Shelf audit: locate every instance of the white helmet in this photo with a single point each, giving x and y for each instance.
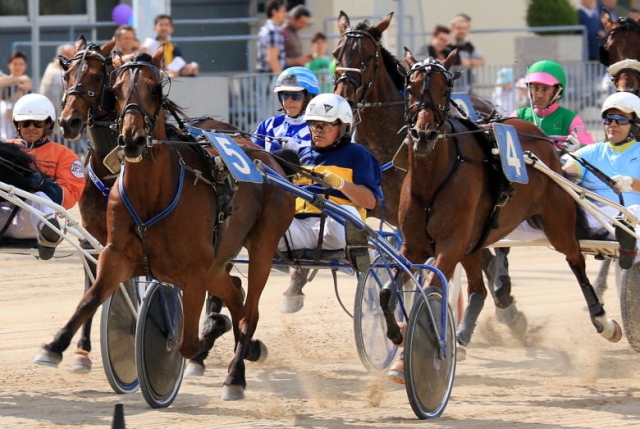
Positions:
(36, 107)
(329, 108)
(624, 101)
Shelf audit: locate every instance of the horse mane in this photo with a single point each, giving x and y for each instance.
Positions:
(391, 63)
(15, 165)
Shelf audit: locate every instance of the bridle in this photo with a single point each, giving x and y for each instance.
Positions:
(441, 111)
(94, 101)
(346, 74)
(133, 67)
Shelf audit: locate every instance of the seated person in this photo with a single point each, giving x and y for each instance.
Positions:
(58, 175)
(294, 87)
(351, 170)
(617, 159)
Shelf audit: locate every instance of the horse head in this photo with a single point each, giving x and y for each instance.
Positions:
(137, 85)
(87, 96)
(428, 84)
(620, 52)
(359, 57)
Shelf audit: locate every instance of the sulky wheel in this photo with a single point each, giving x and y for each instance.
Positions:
(630, 305)
(160, 365)
(429, 373)
(375, 350)
(117, 338)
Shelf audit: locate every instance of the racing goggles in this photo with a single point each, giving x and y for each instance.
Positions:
(296, 96)
(620, 119)
(29, 122)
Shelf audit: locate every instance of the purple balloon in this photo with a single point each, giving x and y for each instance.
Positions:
(121, 14)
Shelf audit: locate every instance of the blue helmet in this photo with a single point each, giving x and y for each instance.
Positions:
(297, 79)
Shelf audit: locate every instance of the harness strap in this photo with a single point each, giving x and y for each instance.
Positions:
(96, 181)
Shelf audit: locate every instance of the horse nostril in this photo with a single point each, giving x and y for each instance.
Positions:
(432, 136)
(415, 134)
(121, 140)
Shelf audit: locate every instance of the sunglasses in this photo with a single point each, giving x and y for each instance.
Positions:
(620, 119)
(320, 126)
(296, 96)
(37, 124)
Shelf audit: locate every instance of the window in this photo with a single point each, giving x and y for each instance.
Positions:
(47, 8)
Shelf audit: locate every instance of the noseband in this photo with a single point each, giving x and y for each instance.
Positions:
(134, 67)
(441, 111)
(99, 102)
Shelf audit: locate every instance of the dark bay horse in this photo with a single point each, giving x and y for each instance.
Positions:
(370, 78)
(85, 105)
(450, 193)
(15, 167)
(184, 242)
(620, 52)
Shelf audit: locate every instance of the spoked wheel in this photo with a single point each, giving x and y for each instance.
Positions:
(160, 365)
(429, 371)
(117, 338)
(375, 350)
(630, 305)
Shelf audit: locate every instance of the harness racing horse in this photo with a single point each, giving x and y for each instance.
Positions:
(448, 201)
(369, 77)
(15, 167)
(87, 104)
(184, 238)
(620, 52)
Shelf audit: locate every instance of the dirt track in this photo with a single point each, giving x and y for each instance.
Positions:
(565, 376)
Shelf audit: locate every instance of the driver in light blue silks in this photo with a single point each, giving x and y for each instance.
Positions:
(294, 87)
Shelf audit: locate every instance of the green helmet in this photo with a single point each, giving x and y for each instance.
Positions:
(547, 73)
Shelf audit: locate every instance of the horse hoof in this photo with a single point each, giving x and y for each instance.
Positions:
(80, 362)
(610, 329)
(264, 352)
(461, 352)
(232, 393)
(194, 369)
(48, 358)
(257, 351)
(291, 303)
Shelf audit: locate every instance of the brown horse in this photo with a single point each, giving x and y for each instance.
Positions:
(369, 77)
(183, 241)
(620, 52)
(449, 195)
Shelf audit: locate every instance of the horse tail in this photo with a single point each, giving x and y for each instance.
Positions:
(288, 160)
(15, 165)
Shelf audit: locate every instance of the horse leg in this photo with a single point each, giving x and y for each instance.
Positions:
(600, 284)
(80, 362)
(472, 265)
(112, 271)
(246, 347)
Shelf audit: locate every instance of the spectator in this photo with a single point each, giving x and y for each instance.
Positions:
(322, 65)
(52, 84)
(610, 6)
(616, 158)
(298, 20)
(468, 55)
(353, 174)
(126, 40)
(12, 87)
(58, 175)
(174, 63)
(440, 46)
(271, 52)
(504, 94)
(589, 16)
(522, 99)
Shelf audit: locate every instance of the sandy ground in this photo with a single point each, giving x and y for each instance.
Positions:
(564, 376)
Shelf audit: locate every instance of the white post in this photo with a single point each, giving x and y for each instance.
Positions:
(143, 13)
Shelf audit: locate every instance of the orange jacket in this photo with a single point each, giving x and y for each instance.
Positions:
(63, 166)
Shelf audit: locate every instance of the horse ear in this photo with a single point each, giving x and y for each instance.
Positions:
(158, 56)
(108, 47)
(409, 58)
(384, 24)
(451, 59)
(605, 19)
(80, 43)
(343, 22)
